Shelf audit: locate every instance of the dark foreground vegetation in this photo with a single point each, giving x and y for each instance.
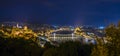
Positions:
(28, 47)
(21, 47)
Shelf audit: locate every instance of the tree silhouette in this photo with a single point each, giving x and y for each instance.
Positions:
(113, 36)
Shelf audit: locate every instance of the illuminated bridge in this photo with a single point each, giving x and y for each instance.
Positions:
(64, 37)
(70, 37)
(66, 34)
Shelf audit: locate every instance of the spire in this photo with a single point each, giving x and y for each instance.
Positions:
(17, 25)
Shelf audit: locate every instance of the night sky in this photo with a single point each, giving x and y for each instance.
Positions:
(64, 12)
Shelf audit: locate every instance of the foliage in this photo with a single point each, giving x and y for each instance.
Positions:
(69, 49)
(113, 36)
(18, 47)
(99, 49)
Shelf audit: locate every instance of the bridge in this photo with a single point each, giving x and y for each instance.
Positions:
(63, 38)
(68, 37)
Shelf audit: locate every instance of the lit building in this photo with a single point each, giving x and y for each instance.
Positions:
(25, 27)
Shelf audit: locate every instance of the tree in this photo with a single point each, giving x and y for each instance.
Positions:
(19, 47)
(118, 25)
(99, 49)
(51, 52)
(113, 36)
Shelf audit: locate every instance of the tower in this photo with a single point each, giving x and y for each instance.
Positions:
(17, 25)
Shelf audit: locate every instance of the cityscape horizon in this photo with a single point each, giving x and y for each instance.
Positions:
(60, 27)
